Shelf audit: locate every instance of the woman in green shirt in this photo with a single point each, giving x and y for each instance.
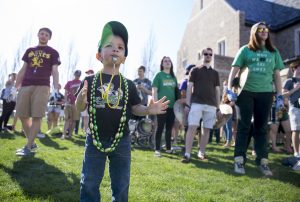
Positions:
(165, 84)
(264, 63)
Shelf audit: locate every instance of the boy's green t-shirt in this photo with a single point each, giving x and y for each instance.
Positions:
(262, 65)
(165, 85)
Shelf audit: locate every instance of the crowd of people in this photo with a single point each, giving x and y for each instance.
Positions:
(107, 100)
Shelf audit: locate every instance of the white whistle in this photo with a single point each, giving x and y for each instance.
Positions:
(114, 59)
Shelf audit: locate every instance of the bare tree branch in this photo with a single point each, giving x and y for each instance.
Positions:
(148, 57)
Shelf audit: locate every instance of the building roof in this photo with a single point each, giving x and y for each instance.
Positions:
(278, 14)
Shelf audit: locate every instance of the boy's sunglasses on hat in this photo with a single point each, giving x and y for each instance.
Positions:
(260, 30)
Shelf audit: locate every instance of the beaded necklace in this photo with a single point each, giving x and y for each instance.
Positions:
(93, 121)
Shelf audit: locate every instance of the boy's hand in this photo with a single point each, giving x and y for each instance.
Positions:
(83, 91)
(158, 107)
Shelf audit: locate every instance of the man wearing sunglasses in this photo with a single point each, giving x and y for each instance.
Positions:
(203, 100)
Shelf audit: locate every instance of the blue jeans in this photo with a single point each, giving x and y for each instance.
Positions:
(228, 129)
(94, 166)
(257, 105)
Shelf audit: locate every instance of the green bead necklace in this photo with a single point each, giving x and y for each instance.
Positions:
(93, 120)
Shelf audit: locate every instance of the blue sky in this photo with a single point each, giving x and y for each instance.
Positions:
(80, 23)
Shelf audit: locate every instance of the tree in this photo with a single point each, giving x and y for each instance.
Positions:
(25, 43)
(148, 57)
(12, 63)
(72, 60)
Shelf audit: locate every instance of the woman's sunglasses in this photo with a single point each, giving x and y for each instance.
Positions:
(260, 30)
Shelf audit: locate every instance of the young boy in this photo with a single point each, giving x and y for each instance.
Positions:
(291, 89)
(110, 99)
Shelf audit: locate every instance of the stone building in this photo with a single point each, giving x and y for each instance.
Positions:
(224, 25)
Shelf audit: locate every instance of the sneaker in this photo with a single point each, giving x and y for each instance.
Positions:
(33, 147)
(296, 154)
(297, 166)
(24, 152)
(185, 159)
(63, 137)
(169, 151)
(264, 168)
(239, 165)
(226, 145)
(201, 156)
(40, 135)
(157, 153)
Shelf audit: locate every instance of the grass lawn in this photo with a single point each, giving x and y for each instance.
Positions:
(53, 174)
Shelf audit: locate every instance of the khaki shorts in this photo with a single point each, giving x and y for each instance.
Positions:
(32, 101)
(201, 111)
(71, 113)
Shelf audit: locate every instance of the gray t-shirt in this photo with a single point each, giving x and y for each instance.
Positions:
(147, 84)
(289, 85)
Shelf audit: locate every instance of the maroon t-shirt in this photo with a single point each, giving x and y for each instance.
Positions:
(71, 88)
(205, 82)
(40, 60)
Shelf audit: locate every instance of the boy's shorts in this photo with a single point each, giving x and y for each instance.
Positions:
(71, 112)
(206, 112)
(273, 119)
(32, 101)
(54, 109)
(294, 113)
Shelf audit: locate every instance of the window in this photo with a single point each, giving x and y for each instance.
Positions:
(221, 47)
(297, 42)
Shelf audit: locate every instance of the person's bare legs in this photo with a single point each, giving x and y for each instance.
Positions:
(272, 135)
(26, 125)
(55, 119)
(71, 127)
(288, 136)
(204, 140)
(50, 120)
(199, 132)
(34, 129)
(175, 131)
(66, 128)
(15, 123)
(234, 131)
(190, 138)
(295, 142)
(85, 123)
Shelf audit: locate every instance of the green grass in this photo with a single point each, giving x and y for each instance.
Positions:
(53, 174)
